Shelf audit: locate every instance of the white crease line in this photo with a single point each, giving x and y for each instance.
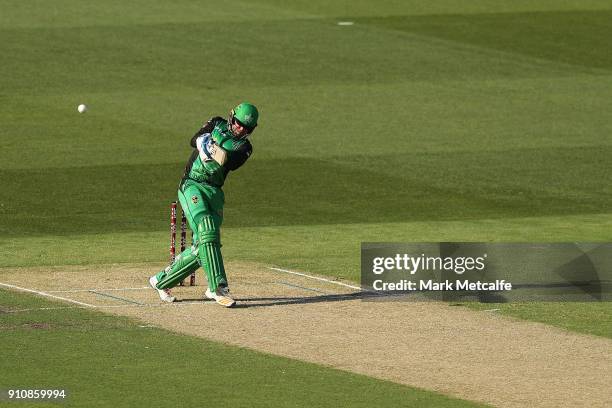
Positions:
(98, 290)
(44, 308)
(175, 304)
(315, 278)
(46, 294)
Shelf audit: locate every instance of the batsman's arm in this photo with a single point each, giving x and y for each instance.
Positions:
(210, 151)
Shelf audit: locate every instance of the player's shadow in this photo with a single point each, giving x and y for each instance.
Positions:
(300, 300)
(297, 300)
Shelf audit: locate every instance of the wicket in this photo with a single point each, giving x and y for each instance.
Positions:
(173, 213)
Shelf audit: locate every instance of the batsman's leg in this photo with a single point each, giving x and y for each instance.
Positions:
(210, 252)
(184, 265)
(212, 261)
(206, 223)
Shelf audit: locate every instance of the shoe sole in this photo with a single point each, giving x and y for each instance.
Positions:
(223, 301)
(226, 302)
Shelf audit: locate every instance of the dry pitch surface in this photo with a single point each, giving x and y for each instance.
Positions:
(478, 356)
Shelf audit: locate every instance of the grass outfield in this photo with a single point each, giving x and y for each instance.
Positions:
(106, 361)
(591, 318)
(467, 122)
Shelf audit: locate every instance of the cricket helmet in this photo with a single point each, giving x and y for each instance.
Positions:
(246, 115)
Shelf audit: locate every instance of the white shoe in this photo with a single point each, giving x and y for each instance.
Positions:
(164, 294)
(221, 296)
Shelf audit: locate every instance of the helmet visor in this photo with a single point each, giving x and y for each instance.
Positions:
(247, 129)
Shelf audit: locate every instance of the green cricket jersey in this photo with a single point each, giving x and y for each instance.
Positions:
(216, 153)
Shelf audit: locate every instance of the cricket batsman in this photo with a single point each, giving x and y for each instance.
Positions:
(220, 146)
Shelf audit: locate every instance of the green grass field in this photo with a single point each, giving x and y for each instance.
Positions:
(453, 121)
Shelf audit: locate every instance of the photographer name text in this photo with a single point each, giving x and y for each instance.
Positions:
(432, 285)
